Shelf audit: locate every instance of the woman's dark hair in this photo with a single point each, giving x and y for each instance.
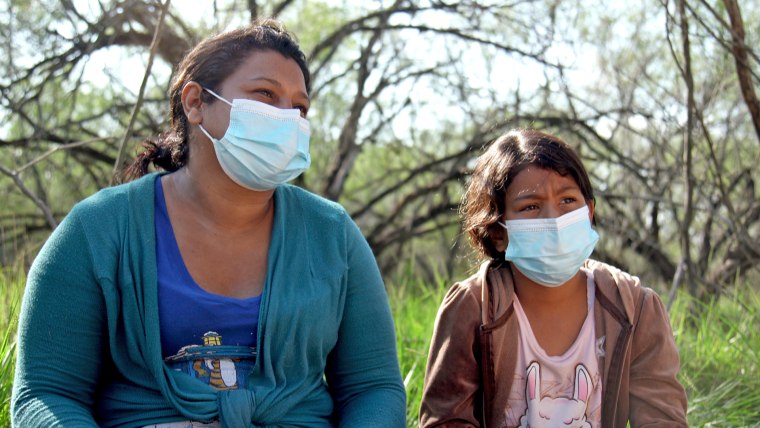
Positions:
(483, 202)
(209, 63)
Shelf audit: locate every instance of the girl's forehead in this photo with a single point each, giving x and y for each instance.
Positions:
(534, 179)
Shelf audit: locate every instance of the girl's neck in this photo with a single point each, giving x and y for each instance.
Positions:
(540, 297)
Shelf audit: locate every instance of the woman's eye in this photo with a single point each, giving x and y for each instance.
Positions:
(265, 92)
(529, 207)
(568, 200)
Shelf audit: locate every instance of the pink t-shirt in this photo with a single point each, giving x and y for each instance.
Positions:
(556, 391)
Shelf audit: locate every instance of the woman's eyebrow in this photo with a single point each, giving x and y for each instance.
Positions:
(279, 85)
(268, 79)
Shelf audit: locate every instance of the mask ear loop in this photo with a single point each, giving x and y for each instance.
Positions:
(206, 132)
(215, 94)
(220, 98)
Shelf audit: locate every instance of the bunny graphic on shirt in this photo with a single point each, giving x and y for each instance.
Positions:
(560, 411)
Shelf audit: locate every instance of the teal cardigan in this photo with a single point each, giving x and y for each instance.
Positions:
(89, 351)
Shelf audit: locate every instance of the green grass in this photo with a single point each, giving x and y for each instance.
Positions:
(414, 315)
(11, 286)
(719, 345)
(720, 358)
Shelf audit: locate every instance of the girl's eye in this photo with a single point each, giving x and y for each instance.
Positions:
(529, 207)
(568, 200)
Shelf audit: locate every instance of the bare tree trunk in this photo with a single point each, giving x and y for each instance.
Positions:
(739, 50)
(688, 143)
(253, 9)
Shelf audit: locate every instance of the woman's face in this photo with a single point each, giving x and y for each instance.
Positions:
(265, 76)
(542, 193)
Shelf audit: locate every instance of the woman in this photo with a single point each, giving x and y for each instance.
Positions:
(215, 294)
(542, 335)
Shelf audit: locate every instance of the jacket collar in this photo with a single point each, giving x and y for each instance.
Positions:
(498, 292)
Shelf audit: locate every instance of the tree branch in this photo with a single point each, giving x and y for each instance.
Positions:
(46, 211)
(138, 103)
(741, 59)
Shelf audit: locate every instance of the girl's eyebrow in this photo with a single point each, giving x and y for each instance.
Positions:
(531, 194)
(527, 194)
(569, 188)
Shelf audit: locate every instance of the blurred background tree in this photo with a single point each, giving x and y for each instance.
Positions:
(658, 97)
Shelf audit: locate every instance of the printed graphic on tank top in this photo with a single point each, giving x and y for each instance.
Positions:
(208, 336)
(556, 391)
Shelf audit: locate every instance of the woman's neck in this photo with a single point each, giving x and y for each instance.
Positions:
(216, 201)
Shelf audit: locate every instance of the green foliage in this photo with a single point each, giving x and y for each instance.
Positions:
(329, 16)
(720, 357)
(11, 287)
(414, 311)
(719, 346)
(720, 351)
(409, 86)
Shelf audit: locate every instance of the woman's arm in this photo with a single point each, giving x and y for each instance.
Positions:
(60, 335)
(656, 396)
(451, 397)
(363, 371)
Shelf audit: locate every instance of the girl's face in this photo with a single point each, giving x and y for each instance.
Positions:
(543, 193)
(539, 193)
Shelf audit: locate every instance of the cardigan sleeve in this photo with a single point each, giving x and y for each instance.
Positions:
(656, 396)
(451, 395)
(362, 370)
(60, 334)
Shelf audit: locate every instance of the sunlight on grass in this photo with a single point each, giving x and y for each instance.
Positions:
(11, 287)
(719, 344)
(414, 311)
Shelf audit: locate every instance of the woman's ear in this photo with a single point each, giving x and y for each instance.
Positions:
(192, 103)
(590, 204)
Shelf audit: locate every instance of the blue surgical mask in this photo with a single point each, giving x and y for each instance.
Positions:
(550, 251)
(264, 146)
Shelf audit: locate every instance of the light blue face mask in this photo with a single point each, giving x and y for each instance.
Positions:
(264, 146)
(550, 251)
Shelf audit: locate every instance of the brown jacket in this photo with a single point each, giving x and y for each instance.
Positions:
(472, 362)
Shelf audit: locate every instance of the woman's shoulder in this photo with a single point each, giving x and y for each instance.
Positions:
(117, 198)
(317, 207)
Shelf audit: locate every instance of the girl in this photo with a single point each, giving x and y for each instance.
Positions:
(542, 335)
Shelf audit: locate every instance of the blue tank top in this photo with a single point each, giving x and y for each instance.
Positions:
(208, 336)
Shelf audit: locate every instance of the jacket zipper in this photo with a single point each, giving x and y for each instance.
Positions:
(612, 388)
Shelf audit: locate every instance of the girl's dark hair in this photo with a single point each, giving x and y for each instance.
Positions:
(483, 202)
(209, 63)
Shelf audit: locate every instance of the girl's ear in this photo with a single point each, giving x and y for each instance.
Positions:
(192, 103)
(498, 236)
(590, 204)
